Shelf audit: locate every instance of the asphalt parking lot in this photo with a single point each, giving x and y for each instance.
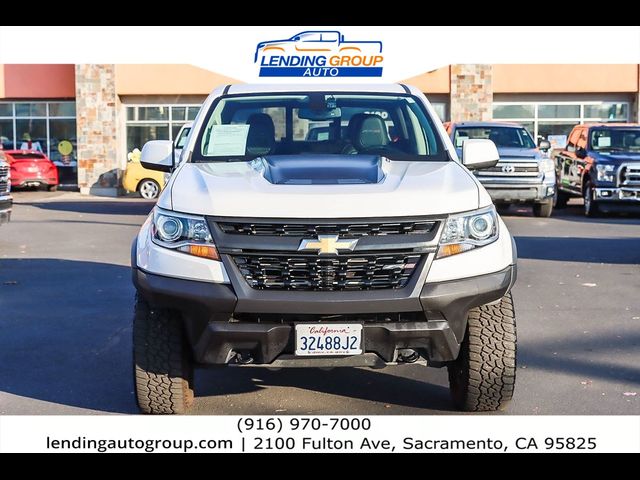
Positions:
(66, 303)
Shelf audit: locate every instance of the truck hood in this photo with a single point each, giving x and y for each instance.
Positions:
(322, 186)
(616, 156)
(517, 154)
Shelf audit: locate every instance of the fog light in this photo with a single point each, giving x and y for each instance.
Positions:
(550, 191)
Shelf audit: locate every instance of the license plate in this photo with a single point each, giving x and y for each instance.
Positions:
(335, 339)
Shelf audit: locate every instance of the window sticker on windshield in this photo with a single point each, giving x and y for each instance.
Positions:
(227, 140)
(460, 140)
(604, 141)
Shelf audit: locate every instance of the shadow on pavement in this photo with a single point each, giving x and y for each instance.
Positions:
(580, 249)
(126, 207)
(366, 384)
(66, 339)
(66, 333)
(539, 355)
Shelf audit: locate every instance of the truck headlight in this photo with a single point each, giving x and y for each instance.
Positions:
(184, 233)
(606, 173)
(547, 166)
(464, 232)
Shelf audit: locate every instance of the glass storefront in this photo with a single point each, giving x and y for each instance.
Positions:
(49, 127)
(556, 119)
(156, 122)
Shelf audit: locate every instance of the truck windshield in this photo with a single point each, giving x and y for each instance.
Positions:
(615, 139)
(241, 128)
(513, 137)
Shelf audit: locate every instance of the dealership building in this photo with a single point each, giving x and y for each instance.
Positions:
(105, 111)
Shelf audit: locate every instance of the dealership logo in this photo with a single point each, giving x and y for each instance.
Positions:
(319, 54)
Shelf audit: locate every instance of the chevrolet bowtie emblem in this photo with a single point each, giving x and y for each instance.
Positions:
(327, 244)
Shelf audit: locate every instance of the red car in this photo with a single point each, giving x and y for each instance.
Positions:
(30, 168)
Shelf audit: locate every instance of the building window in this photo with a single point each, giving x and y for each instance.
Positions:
(554, 120)
(441, 110)
(46, 126)
(156, 122)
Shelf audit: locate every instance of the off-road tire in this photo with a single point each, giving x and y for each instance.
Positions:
(543, 210)
(482, 378)
(163, 370)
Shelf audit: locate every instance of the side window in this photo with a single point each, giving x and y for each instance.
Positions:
(573, 139)
(582, 139)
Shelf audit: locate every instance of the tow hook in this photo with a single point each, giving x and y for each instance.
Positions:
(244, 358)
(408, 355)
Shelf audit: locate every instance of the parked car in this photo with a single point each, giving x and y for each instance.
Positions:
(601, 163)
(524, 173)
(6, 201)
(288, 252)
(148, 183)
(30, 168)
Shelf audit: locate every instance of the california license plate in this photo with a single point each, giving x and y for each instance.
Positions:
(334, 339)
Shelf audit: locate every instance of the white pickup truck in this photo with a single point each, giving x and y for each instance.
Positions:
(372, 245)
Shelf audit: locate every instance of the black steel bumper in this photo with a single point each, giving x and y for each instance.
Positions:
(213, 317)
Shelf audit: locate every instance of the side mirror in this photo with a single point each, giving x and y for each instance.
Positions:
(581, 152)
(157, 155)
(544, 145)
(479, 153)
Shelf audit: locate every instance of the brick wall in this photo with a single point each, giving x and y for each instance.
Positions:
(97, 125)
(471, 92)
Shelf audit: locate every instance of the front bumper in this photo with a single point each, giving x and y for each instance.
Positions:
(505, 192)
(33, 182)
(6, 204)
(224, 323)
(618, 194)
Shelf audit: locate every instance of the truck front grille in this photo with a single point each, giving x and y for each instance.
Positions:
(344, 230)
(4, 184)
(313, 272)
(510, 169)
(630, 174)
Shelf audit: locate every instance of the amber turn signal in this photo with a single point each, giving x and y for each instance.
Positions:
(453, 249)
(205, 251)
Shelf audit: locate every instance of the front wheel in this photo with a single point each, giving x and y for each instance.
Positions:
(543, 209)
(149, 189)
(590, 204)
(163, 370)
(482, 378)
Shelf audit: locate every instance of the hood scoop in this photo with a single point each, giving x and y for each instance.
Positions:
(323, 169)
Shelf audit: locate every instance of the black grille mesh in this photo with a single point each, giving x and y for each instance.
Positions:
(312, 272)
(345, 230)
